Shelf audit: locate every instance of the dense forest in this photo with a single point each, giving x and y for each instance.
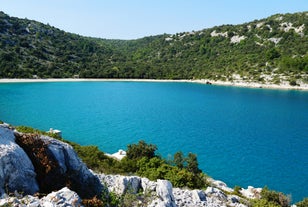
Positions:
(273, 49)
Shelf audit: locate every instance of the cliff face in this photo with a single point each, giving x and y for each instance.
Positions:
(16, 169)
(34, 163)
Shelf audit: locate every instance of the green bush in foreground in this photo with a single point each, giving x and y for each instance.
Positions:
(275, 197)
(26, 129)
(303, 203)
(270, 198)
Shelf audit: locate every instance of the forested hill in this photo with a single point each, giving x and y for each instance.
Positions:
(271, 49)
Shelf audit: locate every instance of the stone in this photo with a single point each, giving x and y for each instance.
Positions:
(251, 192)
(57, 165)
(233, 198)
(62, 198)
(79, 177)
(121, 184)
(148, 185)
(16, 169)
(164, 192)
(198, 195)
(223, 186)
(214, 192)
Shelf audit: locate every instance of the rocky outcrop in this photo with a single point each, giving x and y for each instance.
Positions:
(165, 195)
(62, 198)
(251, 192)
(121, 184)
(162, 194)
(34, 163)
(16, 172)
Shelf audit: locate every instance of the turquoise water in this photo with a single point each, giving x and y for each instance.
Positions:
(241, 136)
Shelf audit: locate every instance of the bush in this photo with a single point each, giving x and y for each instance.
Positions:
(94, 202)
(292, 82)
(263, 203)
(303, 203)
(142, 149)
(30, 130)
(274, 197)
(237, 190)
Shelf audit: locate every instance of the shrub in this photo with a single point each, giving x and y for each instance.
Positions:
(303, 203)
(142, 149)
(236, 190)
(263, 203)
(94, 202)
(179, 159)
(292, 82)
(275, 197)
(30, 130)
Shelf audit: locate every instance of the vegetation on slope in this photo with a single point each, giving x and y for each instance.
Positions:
(141, 160)
(272, 49)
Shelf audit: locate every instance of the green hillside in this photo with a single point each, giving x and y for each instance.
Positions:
(267, 50)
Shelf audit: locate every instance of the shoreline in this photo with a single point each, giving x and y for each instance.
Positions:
(237, 83)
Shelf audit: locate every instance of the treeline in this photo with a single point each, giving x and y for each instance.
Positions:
(275, 46)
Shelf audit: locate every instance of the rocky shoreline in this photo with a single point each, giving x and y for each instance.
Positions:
(53, 169)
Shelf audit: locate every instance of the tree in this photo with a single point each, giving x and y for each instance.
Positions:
(179, 159)
(142, 149)
(274, 197)
(192, 163)
(272, 54)
(303, 203)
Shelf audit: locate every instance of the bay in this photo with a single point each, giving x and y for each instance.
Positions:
(242, 136)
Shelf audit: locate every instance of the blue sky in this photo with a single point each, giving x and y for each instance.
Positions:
(131, 19)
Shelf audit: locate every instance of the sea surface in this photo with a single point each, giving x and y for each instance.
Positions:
(242, 136)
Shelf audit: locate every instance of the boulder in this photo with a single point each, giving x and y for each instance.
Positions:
(62, 198)
(148, 185)
(198, 195)
(189, 198)
(57, 165)
(164, 192)
(121, 184)
(223, 186)
(251, 192)
(16, 170)
(214, 192)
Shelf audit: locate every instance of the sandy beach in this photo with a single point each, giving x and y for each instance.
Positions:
(283, 86)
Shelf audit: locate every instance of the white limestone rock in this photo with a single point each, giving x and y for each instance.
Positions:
(251, 192)
(216, 34)
(82, 180)
(164, 192)
(62, 198)
(223, 186)
(215, 192)
(237, 39)
(16, 169)
(148, 185)
(121, 184)
(189, 198)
